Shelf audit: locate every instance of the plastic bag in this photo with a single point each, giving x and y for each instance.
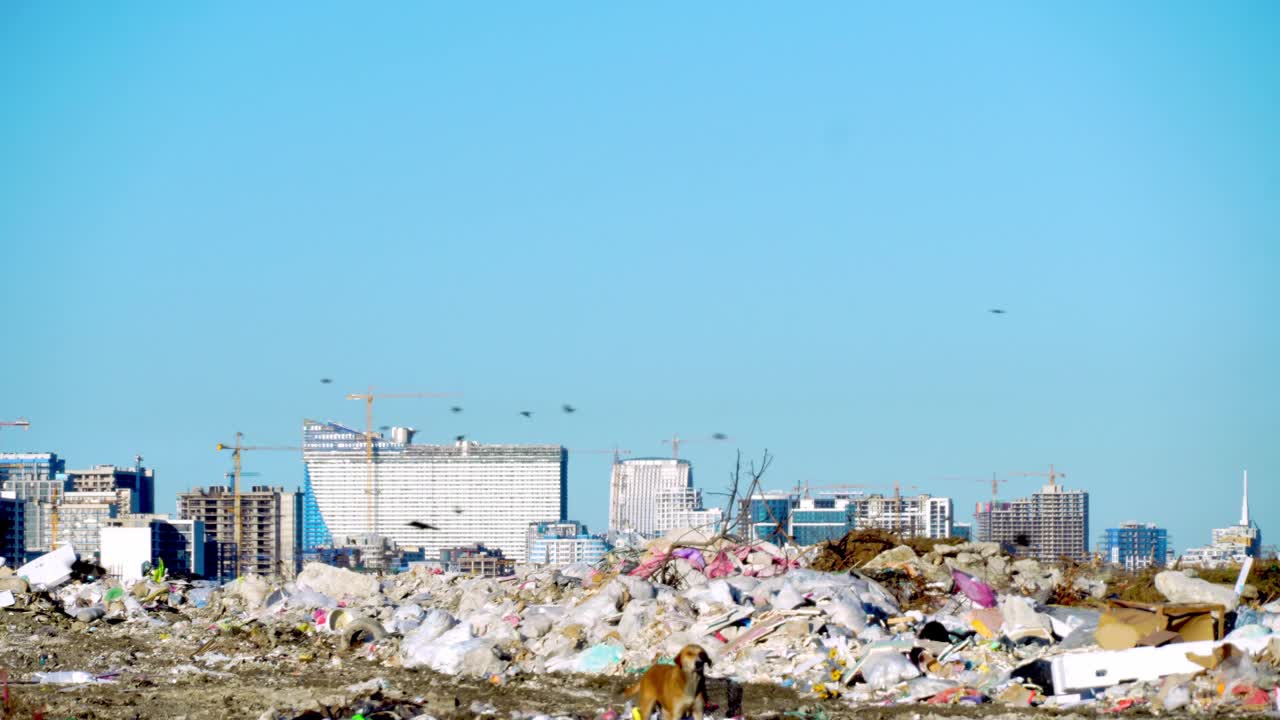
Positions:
(883, 670)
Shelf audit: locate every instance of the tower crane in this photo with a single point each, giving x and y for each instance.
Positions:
(20, 422)
(615, 451)
(995, 483)
(235, 458)
(1053, 475)
(371, 514)
(676, 440)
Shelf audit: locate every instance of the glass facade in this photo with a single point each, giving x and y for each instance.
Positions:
(315, 533)
(1136, 546)
(770, 517)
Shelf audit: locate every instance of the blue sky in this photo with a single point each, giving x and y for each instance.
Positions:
(783, 226)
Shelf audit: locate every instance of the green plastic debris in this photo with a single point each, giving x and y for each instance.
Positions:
(114, 594)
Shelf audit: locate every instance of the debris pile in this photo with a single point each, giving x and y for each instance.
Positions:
(937, 623)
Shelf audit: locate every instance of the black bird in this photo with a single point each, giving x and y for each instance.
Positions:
(384, 428)
(568, 408)
(457, 509)
(455, 409)
(326, 381)
(719, 436)
(527, 413)
(460, 438)
(421, 525)
(996, 311)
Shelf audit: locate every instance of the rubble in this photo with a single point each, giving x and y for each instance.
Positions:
(1180, 588)
(932, 624)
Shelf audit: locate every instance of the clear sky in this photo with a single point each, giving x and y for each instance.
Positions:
(783, 224)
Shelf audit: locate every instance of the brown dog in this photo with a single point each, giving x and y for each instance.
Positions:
(679, 688)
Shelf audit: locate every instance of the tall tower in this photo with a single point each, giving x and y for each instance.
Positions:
(1244, 506)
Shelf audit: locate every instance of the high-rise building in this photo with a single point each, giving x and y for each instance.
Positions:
(676, 508)
(12, 528)
(80, 517)
(907, 515)
(1135, 545)
(1232, 544)
(38, 479)
(770, 516)
(315, 534)
(1051, 524)
(134, 486)
(963, 531)
(563, 543)
(653, 495)
(821, 519)
(809, 520)
(464, 493)
(270, 529)
(129, 542)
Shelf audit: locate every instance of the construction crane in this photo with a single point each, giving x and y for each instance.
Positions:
(676, 440)
(371, 514)
(1053, 475)
(995, 482)
(20, 422)
(615, 451)
(235, 459)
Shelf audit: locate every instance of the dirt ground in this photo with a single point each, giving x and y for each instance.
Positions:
(305, 676)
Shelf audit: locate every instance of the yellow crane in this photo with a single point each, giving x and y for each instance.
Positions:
(617, 452)
(676, 441)
(20, 422)
(1053, 475)
(236, 449)
(371, 514)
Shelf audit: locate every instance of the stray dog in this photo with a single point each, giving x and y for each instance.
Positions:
(679, 688)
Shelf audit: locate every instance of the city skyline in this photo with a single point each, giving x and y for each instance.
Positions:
(962, 517)
(790, 228)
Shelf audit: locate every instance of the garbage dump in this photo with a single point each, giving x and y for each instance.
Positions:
(934, 624)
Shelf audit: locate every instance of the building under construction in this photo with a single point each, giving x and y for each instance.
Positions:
(1049, 525)
(270, 529)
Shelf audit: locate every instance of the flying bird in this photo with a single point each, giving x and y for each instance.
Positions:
(457, 509)
(326, 381)
(460, 438)
(996, 311)
(527, 413)
(455, 409)
(568, 408)
(384, 428)
(719, 436)
(421, 525)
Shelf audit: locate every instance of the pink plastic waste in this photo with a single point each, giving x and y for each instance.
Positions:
(974, 589)
(650, 566)
(721, 566)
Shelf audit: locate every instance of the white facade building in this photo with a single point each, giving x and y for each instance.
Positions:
(467, 492)
(682, 508)
(635, 490)
(909, 515)
(563, 543)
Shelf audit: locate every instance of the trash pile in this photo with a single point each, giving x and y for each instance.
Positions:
(954, 624)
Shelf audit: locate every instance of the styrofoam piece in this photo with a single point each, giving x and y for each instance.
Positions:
(1106, 668)
(50, 569)
(6, 599)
